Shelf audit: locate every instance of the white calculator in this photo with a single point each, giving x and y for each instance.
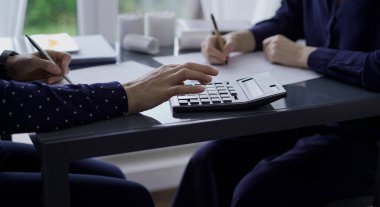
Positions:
(244, 93)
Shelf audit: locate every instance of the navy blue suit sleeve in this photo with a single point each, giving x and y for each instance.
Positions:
(358, 68)
(37, 107)
(288, 21)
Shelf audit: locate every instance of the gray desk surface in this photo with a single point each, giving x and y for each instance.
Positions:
(308, 103)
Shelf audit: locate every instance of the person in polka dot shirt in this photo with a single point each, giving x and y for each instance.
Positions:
(27, 105)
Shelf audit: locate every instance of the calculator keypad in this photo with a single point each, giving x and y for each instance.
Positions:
(215, 93)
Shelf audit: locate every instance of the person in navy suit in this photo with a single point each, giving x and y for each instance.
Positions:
(36, 106)
(301, 167)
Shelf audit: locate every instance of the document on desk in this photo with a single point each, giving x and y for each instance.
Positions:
(123, 73)
(244, 65)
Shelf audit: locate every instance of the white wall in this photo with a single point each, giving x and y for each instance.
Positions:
(12, 16)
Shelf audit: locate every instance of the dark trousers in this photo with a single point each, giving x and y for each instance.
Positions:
(305, 167)
(92, 182)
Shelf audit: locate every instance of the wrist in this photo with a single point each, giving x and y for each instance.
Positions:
(131, 98)
(244, 41)
(304, 56)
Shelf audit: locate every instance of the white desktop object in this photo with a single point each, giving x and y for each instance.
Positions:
(141, 43)
(131, 23)
(161, 25)
(98, 17)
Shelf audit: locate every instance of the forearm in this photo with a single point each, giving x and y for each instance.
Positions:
(31, 107)
(244, 41)
(358, 68)
(288, 21)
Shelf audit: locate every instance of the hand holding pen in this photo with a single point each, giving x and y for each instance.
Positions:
(219, 37)
(61, 58)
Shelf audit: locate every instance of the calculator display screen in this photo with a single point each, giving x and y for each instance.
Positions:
(251, 89)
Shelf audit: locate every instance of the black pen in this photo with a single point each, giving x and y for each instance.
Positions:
(46, 55)
(218, 36)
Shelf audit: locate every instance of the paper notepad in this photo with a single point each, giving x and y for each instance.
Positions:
(62, 42)
(244, 65)
(59, 42)
(124, 72)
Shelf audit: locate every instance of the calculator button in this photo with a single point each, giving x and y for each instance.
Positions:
(216, 100)
(205, 101)
(273, 88)
(212, 92)
(225, 96)
(214, 96)
(227, 100)
(203, 96)
(194, 102)
(183, 102)
(233, 93)
(183, 97)
(223, 92)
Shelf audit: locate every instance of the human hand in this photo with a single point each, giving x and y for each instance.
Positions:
(242, 41)
(165, 82)
(31, 67)
(281, 50)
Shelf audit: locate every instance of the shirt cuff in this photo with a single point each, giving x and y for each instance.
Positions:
(261, 31)
(320, 59)
(3, 63)
(259, 38)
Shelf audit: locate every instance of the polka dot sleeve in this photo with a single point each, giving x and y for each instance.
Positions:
(38, 107)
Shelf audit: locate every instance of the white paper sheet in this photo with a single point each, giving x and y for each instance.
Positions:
(123, 73)
(243, 65)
